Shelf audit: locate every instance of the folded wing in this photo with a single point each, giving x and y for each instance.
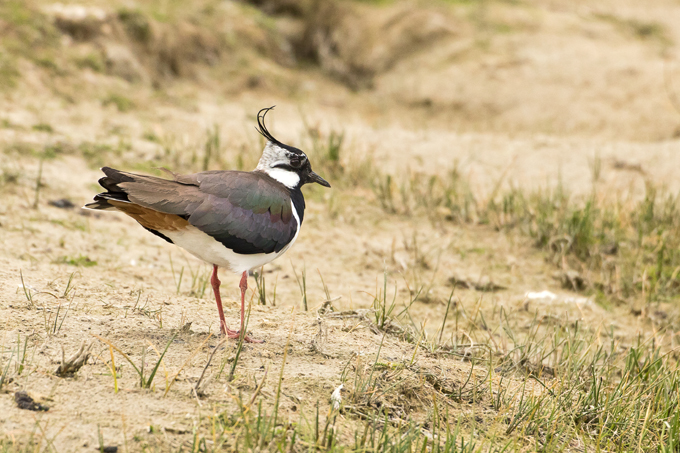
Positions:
(248, 212)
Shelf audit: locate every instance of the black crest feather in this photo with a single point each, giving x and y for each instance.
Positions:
(262, 128)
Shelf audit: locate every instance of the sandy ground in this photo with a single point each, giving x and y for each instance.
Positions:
(125, 283)
(126, 290)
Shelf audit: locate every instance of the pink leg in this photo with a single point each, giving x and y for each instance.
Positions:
(243, 285)
(215, 282)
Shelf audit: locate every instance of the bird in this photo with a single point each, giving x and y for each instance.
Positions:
(236, 220)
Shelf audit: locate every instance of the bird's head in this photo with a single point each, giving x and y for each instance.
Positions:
(288, 165)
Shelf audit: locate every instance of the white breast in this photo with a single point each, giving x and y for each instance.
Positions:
(211, 251)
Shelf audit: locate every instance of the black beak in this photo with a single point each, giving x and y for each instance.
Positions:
(313, 177)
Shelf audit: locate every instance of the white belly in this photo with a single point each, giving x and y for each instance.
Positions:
(211, 251)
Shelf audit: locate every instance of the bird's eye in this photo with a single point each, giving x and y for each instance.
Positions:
(296, 161)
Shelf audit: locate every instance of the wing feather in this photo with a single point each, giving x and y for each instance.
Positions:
(248, 212)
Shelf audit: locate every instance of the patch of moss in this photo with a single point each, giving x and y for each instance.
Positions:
(28, 29)
(151, 136)
(9, 74)
(27, 33)
(80, 260)
(92, 61)
(43, 127)
(136, 25)
(648, 31)
(122, 103)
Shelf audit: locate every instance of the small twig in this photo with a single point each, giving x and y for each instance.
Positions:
(327, 305)
(113, 371)
(259, 387)
(197, 387)
(201, 391)
(360, 313)
(75, 362)
(320, 338)
(198, 400)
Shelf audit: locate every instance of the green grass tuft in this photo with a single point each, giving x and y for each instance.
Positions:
(122, 103)
(43, 127)
(80, 260)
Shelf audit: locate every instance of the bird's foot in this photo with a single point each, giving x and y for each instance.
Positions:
(236, 334)
(230, 333)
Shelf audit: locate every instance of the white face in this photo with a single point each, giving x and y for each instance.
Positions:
(281, 164)
(287, 178)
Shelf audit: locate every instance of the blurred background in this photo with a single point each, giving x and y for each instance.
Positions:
(460, 107)
(505, 189)
(481, 82)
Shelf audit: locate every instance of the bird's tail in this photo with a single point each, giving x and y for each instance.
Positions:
(113, 192)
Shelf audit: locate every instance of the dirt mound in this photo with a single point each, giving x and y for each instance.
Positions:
(136, 47)
(355, 43)
(608, 71)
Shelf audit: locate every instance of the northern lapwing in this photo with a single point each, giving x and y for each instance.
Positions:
(237, 220)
